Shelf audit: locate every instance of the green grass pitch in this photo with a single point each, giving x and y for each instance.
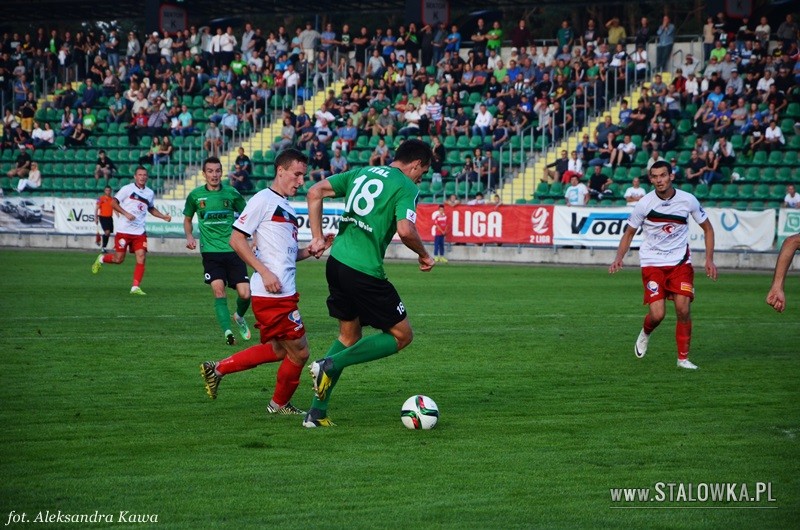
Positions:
(544, 407)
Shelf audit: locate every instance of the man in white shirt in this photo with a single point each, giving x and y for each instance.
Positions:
(577, 194)
(773, 137)
(792, 199)
(623, 154)
(483, 121)
(634, 192)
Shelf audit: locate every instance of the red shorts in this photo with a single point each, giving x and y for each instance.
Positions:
(666, 282)
(278, 318)
(131, 242)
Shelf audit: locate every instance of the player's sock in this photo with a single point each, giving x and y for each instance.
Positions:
(108, 258)
(649, 324)
(367, 349)
(242, 305)
(222, 312)
(105, 241)
(246, 359)
(287, 381)
(316, 403)
(683, 336)
(138, 274)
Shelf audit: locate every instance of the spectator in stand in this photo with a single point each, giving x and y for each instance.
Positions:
(711, 173)
(587, 149)
(574, 167)
(642, 36)
(240, 179)
(483, 122)
(320, 166)
(676, 170)
(723, 149)
(599, 184)
(380, 155)
(42, 138)
(557, 171)
(104, 167)
(287, 136)
(32, 181)
(521, 35)
(695, 168)
(616, 32)
(500, 135)
(634, 192)
(212, 142)
(77, 138)
(439, 155)
(339, 163)
(773, 137)
(384, 124)
(577, 194)
(185, 123)
(792, 198)
(655, 156)
(666, 38)
(623, 154)
(491, 171)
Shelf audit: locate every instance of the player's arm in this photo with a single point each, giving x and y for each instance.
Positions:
(708, 231)
(97, 213)
(776, 297)
(410, 238)
(122, 211)
(191, 243)
(156, 213)
(624, 246)
(318, 192)
(240, 245)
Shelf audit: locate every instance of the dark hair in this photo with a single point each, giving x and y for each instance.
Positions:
(138, 168)
(660, 164)
(413, 150)
(211, 160)
(287, 156)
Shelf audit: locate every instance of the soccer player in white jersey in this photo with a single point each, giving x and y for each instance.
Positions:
(665, 258)
(272, 222)
(132, 202)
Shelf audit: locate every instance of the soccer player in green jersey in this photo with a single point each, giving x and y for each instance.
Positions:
(379, 201)
(215, 206)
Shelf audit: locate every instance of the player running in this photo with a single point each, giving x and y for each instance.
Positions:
(379, 201)
(216, 206)
(665, 258)
(271, 220)
(132, 202)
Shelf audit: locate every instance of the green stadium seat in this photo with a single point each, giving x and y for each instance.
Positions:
(688, 188)
(790, 158)
(775, 158)
(787, 126)
(688, 141)
(556, 190)
(731, 191)
(746, 191)
(449, 188)
(684, 127)
(716, 192)
(740, 205)
(778, 192)
(701, 191)
(793, 142)
(755, 206)
(269, 156)
(641, 158)
(476, 187)
(449, 142)
(761, 192)
(793, 110)
(542, 190)
(784, 174)
(437, 189)
(769, 175)
(737, 142)
(759, 158)
(684, 157)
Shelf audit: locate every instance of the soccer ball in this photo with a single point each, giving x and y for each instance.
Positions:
(419, 412)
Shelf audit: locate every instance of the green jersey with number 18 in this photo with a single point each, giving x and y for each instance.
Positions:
(215, 215)
(375, 199)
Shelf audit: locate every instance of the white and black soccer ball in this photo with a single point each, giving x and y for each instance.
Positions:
(419, 412)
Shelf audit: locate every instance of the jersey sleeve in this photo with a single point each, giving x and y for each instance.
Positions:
(636, 218)
(189, 208)
(407, 202)
(698, 213)
(340, 181)
(251, 216)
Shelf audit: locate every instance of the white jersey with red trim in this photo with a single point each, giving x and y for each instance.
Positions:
(665, 227)
(136, 201)
(272, 222)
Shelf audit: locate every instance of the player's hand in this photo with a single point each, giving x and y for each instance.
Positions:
(271, 282)
(711, 270)
(426, 263)
(168, 218)
(777, 299)
(191, 243)
(317, 246)
(129, 216)
(615, 266)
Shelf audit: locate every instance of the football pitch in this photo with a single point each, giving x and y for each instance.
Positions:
(544, 408)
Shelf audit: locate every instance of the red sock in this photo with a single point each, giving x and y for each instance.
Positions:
(108, 258)
(138, 274)
(246, 359)
(288, 380)
(683, 336)
(649, 325)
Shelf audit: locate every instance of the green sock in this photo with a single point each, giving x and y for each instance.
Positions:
(223, 314)
(242, 305)
(367, 349)
(316, 403)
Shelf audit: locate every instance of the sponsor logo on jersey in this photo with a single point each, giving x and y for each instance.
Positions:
(411, 215)
(294, 316)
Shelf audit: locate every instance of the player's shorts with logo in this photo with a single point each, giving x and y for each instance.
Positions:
(666, 282)
(130, 242)
(226, 266)
(278, 318)
(353, 294)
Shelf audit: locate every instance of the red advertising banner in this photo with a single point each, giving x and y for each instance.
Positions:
(521, 224)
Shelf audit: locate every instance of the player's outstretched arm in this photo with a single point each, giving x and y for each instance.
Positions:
(776, 296)
(156, 213)
(624, 246)
(191, 244)
(318, 192)
(708, 231)
(410, 238)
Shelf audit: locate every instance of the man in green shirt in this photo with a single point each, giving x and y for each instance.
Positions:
(379, 201)
(494, 38)
(215, 206)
